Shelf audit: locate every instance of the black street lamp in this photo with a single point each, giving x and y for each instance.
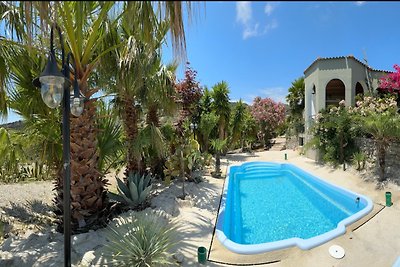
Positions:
(55, 88)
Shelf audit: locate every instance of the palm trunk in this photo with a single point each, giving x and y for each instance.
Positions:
(217, 163)
(88, 194)
(381, 150)
(206, 144)
(156, 162)
(130, 119)
(152, 115)
(221, 131)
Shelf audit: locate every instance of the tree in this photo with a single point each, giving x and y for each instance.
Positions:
(204, 119)
(142, 84)
(249, 130)
(385, 128)
(84, 28)
(189, 94)
(208, 121)
(218, 145)
(221, 106)
(269, 114)
(296, 102)
(379, 118)
(238, 122)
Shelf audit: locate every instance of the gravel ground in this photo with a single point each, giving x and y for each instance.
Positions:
(42, 191)
(22, 192)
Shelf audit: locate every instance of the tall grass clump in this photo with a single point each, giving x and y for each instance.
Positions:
(141, 240)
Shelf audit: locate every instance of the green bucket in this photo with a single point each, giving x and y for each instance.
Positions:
(202, 255)
(388, 199)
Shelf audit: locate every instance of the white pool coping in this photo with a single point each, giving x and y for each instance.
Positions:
(304, 244)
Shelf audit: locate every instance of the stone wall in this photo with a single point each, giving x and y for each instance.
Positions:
(292, 142)
(368, 146)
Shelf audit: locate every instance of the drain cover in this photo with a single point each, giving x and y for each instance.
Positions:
(336, 251)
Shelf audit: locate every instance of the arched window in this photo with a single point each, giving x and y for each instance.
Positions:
(335, 92)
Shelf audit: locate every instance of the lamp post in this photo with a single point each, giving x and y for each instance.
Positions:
(55, 88)
(193, 127)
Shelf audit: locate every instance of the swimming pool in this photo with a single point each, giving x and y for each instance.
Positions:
(267, 206)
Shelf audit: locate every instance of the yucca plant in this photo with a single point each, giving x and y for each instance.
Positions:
(135, 192)
(141, 240)
(359, 159)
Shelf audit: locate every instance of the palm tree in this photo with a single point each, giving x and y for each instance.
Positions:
(249, 130)
(142, 84)
(218, 145)
(238, 121)
(385, 128)
(208, 121)
(40, 136)
(84, 28)
(296, 101)
(220, 105)
(158, 97)
(110, 137)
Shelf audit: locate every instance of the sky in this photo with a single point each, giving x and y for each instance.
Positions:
(259, 48)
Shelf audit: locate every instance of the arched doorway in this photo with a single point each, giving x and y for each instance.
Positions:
(359, 89)
(335, 92)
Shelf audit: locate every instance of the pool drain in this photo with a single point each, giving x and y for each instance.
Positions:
(336, 251)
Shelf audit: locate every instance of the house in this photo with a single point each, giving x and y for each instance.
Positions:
(332, 79)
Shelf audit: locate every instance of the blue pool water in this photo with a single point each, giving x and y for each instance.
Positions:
(267, 206)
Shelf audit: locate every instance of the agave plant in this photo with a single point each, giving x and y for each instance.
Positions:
(143, 240)
(135, 192)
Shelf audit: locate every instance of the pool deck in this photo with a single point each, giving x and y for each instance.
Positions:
(372, 241)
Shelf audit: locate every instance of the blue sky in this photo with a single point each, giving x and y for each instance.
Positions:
(259, 48)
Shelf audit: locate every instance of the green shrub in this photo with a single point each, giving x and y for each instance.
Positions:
(359, 159)
(334, 134)
(136, 192)
(144, 240)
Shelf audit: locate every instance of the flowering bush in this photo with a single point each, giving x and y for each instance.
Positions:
(391, 82)
(269, 114)
(335, 129)
(370, 105)
(333, 134)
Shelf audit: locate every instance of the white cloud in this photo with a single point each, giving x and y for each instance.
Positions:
(243, 12)
(268, 9)
(244, 15)
(250, 31)
(360, 3)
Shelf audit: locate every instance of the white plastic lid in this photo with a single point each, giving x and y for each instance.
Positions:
(336, 251)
